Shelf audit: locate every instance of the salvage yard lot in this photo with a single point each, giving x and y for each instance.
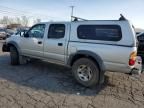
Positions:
(43, 85)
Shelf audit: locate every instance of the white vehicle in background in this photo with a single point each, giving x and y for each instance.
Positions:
(89, 47)
(3, 34)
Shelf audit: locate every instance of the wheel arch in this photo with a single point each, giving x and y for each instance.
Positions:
(14, 44)
(93, 56)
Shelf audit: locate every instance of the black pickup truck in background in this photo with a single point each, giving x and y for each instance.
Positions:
(140, 38)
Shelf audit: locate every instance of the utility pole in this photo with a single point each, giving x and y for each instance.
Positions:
(72, 9)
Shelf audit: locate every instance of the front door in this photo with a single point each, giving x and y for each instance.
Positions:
(32, 45)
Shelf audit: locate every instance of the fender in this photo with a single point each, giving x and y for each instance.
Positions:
(93, 55)
(14, 44)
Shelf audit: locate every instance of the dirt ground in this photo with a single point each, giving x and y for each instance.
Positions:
(43, 85)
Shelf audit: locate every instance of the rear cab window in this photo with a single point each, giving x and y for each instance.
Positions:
(100, 32)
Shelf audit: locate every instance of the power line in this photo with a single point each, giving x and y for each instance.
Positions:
(15, 12)
(8, 10)
(4, 7)
(12, 13)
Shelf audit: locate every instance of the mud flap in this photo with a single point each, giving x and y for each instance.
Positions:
(102, 77)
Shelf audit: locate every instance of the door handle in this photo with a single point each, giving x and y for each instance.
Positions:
(39, 42)
(60, 44)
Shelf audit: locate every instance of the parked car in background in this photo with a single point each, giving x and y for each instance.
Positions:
(140, 38)
(3, 34)
(90, 48)
(10, 32)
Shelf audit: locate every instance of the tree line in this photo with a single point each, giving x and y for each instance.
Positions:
(23, 20)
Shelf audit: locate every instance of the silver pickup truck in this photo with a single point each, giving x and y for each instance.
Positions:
(90, 48)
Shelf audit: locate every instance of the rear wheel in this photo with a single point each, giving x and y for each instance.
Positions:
(14, 56)
(86, 72)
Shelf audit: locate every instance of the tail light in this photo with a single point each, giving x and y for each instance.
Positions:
(132, 59)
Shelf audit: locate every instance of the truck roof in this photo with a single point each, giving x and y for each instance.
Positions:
(83, 21)
(79, 20)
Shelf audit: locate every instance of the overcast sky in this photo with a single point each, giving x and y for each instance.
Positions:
(88, 9)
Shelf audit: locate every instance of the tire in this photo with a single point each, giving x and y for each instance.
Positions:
(14, 56)
(94, 72)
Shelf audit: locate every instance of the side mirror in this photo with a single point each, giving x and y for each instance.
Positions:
(21, 34)
(26, 35)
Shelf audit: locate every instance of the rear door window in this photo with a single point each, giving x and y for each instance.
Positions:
(56, 31)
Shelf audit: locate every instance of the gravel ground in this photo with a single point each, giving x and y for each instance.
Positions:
(43, 85)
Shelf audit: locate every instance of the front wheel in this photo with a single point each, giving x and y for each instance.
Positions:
(14, 56)
(86, 72)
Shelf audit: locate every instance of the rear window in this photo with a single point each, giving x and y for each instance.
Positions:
(100, 32)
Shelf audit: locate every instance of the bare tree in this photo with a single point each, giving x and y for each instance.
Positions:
(5, 20)
(36, 21)
(25, 21)
(18, 20)
(11, 20)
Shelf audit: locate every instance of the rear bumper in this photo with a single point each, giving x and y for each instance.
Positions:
(138, 66)
(5, 48)
(123, 68)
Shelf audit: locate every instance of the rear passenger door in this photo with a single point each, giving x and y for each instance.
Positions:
(55, 44)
